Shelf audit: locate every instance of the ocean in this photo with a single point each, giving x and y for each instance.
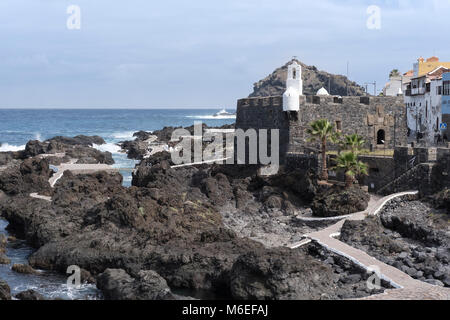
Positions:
(18, 126)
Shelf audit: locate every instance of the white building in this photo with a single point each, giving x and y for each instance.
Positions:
(294, 88)
(322, 92)
(423, 101)
(393, 87)
(396, 84)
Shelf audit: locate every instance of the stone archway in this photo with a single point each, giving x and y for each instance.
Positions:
(381, 137)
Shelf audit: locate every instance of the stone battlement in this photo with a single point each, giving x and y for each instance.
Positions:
(277, 101)
(380, 120)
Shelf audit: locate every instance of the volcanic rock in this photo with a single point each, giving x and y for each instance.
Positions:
(29, 295)
(313, 80)
(337, 201)
(5, 291)
(116, 284)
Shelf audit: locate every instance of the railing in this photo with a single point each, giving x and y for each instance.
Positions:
(411, 166)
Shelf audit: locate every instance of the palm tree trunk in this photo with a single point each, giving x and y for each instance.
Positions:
(348, 181)
(324, 160)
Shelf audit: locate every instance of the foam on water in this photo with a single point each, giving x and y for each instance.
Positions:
(127, 135)
(108, 147)
(49, 284)
(5, 147)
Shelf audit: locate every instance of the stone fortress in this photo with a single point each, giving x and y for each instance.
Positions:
(381, 120)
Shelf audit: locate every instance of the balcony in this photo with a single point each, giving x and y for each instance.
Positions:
(417, 91)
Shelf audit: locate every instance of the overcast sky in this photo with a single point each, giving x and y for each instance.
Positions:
(200, 53)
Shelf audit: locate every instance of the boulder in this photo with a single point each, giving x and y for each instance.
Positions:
(116, 284)
(5, 291)
(29, 295)
(338, 201)
(23, 268)
(4, 259)
(280, 274)
(3, 242)
(441, 200)
(31, 176)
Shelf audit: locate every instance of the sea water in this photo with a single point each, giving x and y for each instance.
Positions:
(18, 126)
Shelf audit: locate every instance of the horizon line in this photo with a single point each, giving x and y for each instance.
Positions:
(112, 108)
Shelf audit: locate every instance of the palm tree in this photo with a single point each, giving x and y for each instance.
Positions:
(354, 143)
(394, 73)
(348, 161)
(322, 130)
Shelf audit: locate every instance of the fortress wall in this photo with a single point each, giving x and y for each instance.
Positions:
(363, 115)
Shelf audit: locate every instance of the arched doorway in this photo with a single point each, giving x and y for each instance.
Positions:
(381, 137)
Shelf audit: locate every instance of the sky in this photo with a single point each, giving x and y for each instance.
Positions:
(200, 53)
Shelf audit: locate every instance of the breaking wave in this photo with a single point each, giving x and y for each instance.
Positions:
(108, 147)
(213, 117)
(5, 147)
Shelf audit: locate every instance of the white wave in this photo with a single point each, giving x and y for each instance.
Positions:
(212, 117)
(108, 147)
(123, 135)
(37, 136)
(5, 147)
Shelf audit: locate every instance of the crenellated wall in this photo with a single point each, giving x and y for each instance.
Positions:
(375, 118)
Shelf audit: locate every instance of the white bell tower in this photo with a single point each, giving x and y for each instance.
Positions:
(294, 88)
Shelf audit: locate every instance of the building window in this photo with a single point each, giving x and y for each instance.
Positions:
(381, 137)
(339, 125)
(294, 74)
(446, 88)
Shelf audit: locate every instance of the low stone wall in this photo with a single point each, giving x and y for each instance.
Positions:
(303, 162)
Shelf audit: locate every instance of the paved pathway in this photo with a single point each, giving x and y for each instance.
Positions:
(407, 287)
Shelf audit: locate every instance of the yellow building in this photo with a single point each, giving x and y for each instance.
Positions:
(422, 66)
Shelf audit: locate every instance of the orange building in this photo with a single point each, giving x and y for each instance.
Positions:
(422, 66)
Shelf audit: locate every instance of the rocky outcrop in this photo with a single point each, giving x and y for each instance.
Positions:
(5, 291)
(4, 259)
(167, 222)
(280, 274)
(441, 200)
(167, 231)
(338, 201)
(6, 157)
(29, 295)
(23, 268)
(139, 148)
(116, 284)
(79, 147)
(3, 242)
(313, 80)
(30, 176)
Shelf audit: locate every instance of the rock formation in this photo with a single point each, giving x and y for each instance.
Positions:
(313, 80)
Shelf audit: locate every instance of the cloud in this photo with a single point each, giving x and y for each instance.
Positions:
(200, 52)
